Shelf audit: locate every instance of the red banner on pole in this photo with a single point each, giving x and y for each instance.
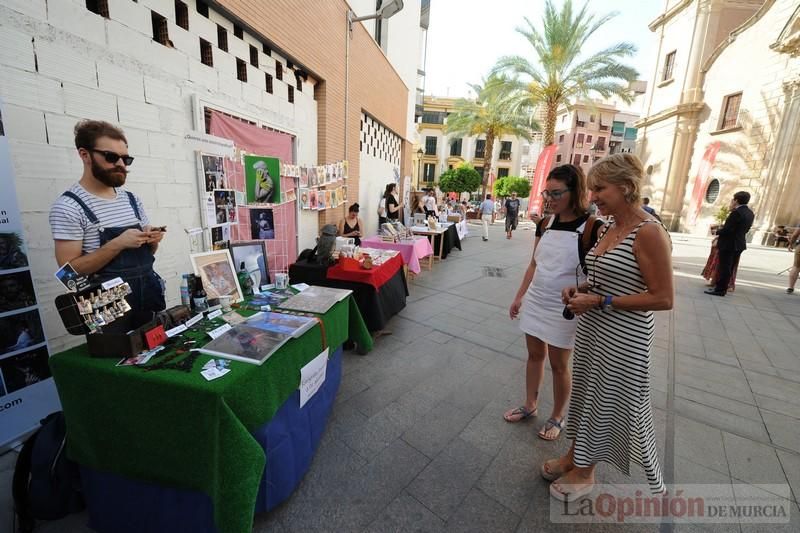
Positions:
(701, 180)
(543, 165)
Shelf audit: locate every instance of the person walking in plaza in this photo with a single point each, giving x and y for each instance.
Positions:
(486, 213)
(629, 275)
(429, 204)
(650, 211)
(731, 241)
(793, 247)
(511, 209)
(562, 241)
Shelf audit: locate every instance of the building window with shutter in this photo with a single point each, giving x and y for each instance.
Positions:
(560, 139)
(160, 29)
(202, 8)
(428, 172)
(241, 70)
(502, 172)
(558, 158)
(730, 111)
(279, 70)
(254, 56)
(455, 147)
(586, 159)
(268, 79)
(238, 32)
(222, 38)
(291, 94)
(579, 141)
(588, 139)
(669, 65)
(430, 145)
(480, 148)
(99, 7)
(576, 160)
(505, 150)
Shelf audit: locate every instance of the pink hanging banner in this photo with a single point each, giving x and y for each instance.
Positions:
(701, 180)
(543, 165)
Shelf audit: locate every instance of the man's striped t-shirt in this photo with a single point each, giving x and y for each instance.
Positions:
(68, 221)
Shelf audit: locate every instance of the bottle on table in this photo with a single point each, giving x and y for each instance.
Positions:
(199, 297)
(245, 283)
(186, 296)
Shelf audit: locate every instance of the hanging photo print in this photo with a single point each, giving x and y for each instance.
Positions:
(262, 179)
(214, 172)
(220, 237)
(303, 198)
(313, 200)
(224, 206)
(291, 195)
(303, 177)
(262, 225)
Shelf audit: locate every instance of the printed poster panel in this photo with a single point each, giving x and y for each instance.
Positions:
(262, 179)
(27, 390)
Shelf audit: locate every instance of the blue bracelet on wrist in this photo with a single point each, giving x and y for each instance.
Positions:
(607, 301)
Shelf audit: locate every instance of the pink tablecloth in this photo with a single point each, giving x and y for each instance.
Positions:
(412, 251)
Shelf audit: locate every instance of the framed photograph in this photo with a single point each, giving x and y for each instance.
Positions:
(262, 224)
(20, 331)
(213, 172)
(224, 206)
(262, 179)
(254, 256)
(220, 236)
(218, 275)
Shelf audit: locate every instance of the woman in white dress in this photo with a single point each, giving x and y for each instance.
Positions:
(561, 239)
(629, 277)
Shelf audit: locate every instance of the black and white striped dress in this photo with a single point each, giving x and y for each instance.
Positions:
(610, 412)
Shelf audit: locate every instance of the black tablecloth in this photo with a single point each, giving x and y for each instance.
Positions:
(451, 240)
(376, 306)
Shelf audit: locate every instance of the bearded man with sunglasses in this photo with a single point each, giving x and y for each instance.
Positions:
(101, 229)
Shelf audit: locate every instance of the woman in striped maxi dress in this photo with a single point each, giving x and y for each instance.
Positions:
(629, 276)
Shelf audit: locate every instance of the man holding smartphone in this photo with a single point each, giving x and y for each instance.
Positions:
(101, 229)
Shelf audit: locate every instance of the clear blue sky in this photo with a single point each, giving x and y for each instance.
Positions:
(467, 36)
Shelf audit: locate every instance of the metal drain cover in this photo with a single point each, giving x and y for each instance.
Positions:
(494, 272)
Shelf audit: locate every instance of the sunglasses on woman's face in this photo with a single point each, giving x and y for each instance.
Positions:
(113, 157)
(554, 195)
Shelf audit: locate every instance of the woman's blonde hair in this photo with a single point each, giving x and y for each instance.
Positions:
(623, 170)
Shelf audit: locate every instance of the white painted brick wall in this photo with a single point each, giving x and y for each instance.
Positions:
(251, 93)
(16, 49)
(132, 15)
(202, 27)
(186, 42)
(149, 169)
(238, 48)
(88, 103)
(166, 146)
(176, 195)
(230, 86)
(59, 61)
(185, 171)
(120, 81)
(203, 76)
(24, 124)
(165, 8)
(60, 129)
(126, 41)
(138, 114)
(162, 93)
(33, 161)
(175, 122)
(72, 16)
(218, 19)
(31, 90)
(138, 142)
(33, 8)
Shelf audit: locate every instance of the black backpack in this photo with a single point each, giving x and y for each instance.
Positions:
(46, 485)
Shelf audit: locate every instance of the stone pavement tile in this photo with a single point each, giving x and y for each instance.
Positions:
(449, 477)
(783, 431)
(439, 337)
(690, 345)
(349, 387)
(782, 407)
(513, 475)
(752, 462)
(537, 519)
(786, 375)
(690, 472)
(503, 369)
(707, 379)
(406, 330)
(384, 392)
(405, 515)
(742, 492)
(701, 444)
(418, 292)
(791, 467)
(437, 430)
(479, 513)
(773, 386)
(485, 341)
(724, 420)
(373, 435)
(488, 431)
(478, 391)
(718, 402)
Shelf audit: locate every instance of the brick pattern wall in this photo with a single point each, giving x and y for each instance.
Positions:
(316, 33)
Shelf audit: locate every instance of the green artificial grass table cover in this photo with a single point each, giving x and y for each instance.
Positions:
(176, 429)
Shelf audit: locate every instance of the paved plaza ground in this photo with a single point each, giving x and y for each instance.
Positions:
(417, 442)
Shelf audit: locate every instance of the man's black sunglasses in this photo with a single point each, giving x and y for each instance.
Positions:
(113, 157)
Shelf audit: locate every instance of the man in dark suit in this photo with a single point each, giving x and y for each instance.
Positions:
(731, 242)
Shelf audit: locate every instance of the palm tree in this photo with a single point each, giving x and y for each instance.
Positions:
(560, 74)
(492, 115)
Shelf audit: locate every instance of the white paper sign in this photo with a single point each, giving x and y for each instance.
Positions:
(174, 331)
(110, 284)
(215, 314)
(214, 333)
(312, 376)
(300, 286)
(203, 142)
(214, 373)
(194, 320)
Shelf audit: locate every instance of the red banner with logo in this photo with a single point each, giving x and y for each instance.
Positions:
(701, 180)
(543, 165)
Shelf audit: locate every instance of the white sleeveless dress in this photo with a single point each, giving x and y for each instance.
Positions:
(610, 412)
(557, 260)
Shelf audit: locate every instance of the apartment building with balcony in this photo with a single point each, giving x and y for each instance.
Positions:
(438, 151)
(583, 133)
